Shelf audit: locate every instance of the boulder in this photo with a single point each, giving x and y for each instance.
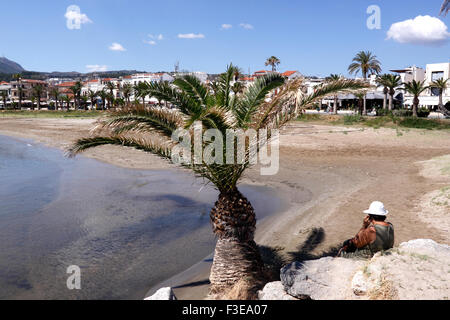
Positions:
(327, 278)
(274, 291)
(163, 294)
(417, 269)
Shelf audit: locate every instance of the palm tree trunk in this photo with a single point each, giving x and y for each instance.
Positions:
(385, 101)
(335, 105)
(391, 100)
(365, 105)
(236, 255)
(415, 105)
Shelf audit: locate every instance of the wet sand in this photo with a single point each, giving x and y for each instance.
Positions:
(328, 175)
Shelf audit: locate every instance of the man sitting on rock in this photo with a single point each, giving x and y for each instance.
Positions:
(375, 235)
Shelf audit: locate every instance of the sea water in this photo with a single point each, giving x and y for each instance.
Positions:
(125, 229)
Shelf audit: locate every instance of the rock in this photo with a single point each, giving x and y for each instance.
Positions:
(163, 294)
(359, 284)
(274, 291)
(324, 279)
(417, 269)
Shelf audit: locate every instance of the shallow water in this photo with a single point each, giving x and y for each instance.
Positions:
(126, 229)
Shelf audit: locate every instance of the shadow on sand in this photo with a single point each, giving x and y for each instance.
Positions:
(274, 259)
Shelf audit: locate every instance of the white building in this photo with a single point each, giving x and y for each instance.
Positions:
(430, 97)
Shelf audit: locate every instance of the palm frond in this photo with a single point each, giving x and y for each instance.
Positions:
(81, 145)
(254, 96)
(196, 90)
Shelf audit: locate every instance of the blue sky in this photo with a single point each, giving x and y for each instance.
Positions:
(314, 37)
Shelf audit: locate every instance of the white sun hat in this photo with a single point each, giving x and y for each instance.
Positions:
(377, 209)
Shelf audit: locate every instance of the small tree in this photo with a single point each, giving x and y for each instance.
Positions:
(415, 88)
(441, 86)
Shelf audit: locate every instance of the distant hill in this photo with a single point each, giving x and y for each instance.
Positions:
(73, 75)
(8, 66)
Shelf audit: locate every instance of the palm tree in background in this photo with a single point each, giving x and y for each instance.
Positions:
(54, 93)
(93, 98)
(76, 91)
(441, 85)
(382, 82)
(233, 218)
(37, 92)
(392, 83)
(140, 92)
(415, 88)
(103, 95)
(331, 78)
(127, 91)
(66, 99)
(365, 62)
(274, 62)
(4, 95)
(110, 86)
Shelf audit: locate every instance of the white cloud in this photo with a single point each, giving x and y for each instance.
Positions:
(246, 26)
(96, 68)
(226, 26)
(191, 36)
(150, 42)
(117, 47)
(74, 18)
(424, 30)
(160, 37)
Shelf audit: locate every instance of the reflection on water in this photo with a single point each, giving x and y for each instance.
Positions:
(126, 229)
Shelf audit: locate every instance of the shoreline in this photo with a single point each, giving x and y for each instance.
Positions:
(338, 171)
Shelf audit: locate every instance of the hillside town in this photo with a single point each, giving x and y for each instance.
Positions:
(104, 93)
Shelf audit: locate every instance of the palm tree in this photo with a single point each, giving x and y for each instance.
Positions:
(415, 88)
(273, 61)
(331, 78)
(233, 218)
(392, 82)
(4, 95)
(76, 91)
(382, 80)
(360, 96)
(110, 86)
(365, 62)
(66, 99)
(103, 95)
(93, 97)
(54, 92)
(37, 93)
(127, 90)
(441, 85)
(139, 91)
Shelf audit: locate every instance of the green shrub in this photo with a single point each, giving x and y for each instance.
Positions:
(402, 113)
(423, 113)
(308, 117)
(351, 119)
(420, 123)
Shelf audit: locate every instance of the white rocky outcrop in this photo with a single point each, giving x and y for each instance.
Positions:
(274, 291)
(163, 294)
(417, 269)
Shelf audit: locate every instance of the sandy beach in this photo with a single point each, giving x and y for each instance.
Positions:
(328, 176)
